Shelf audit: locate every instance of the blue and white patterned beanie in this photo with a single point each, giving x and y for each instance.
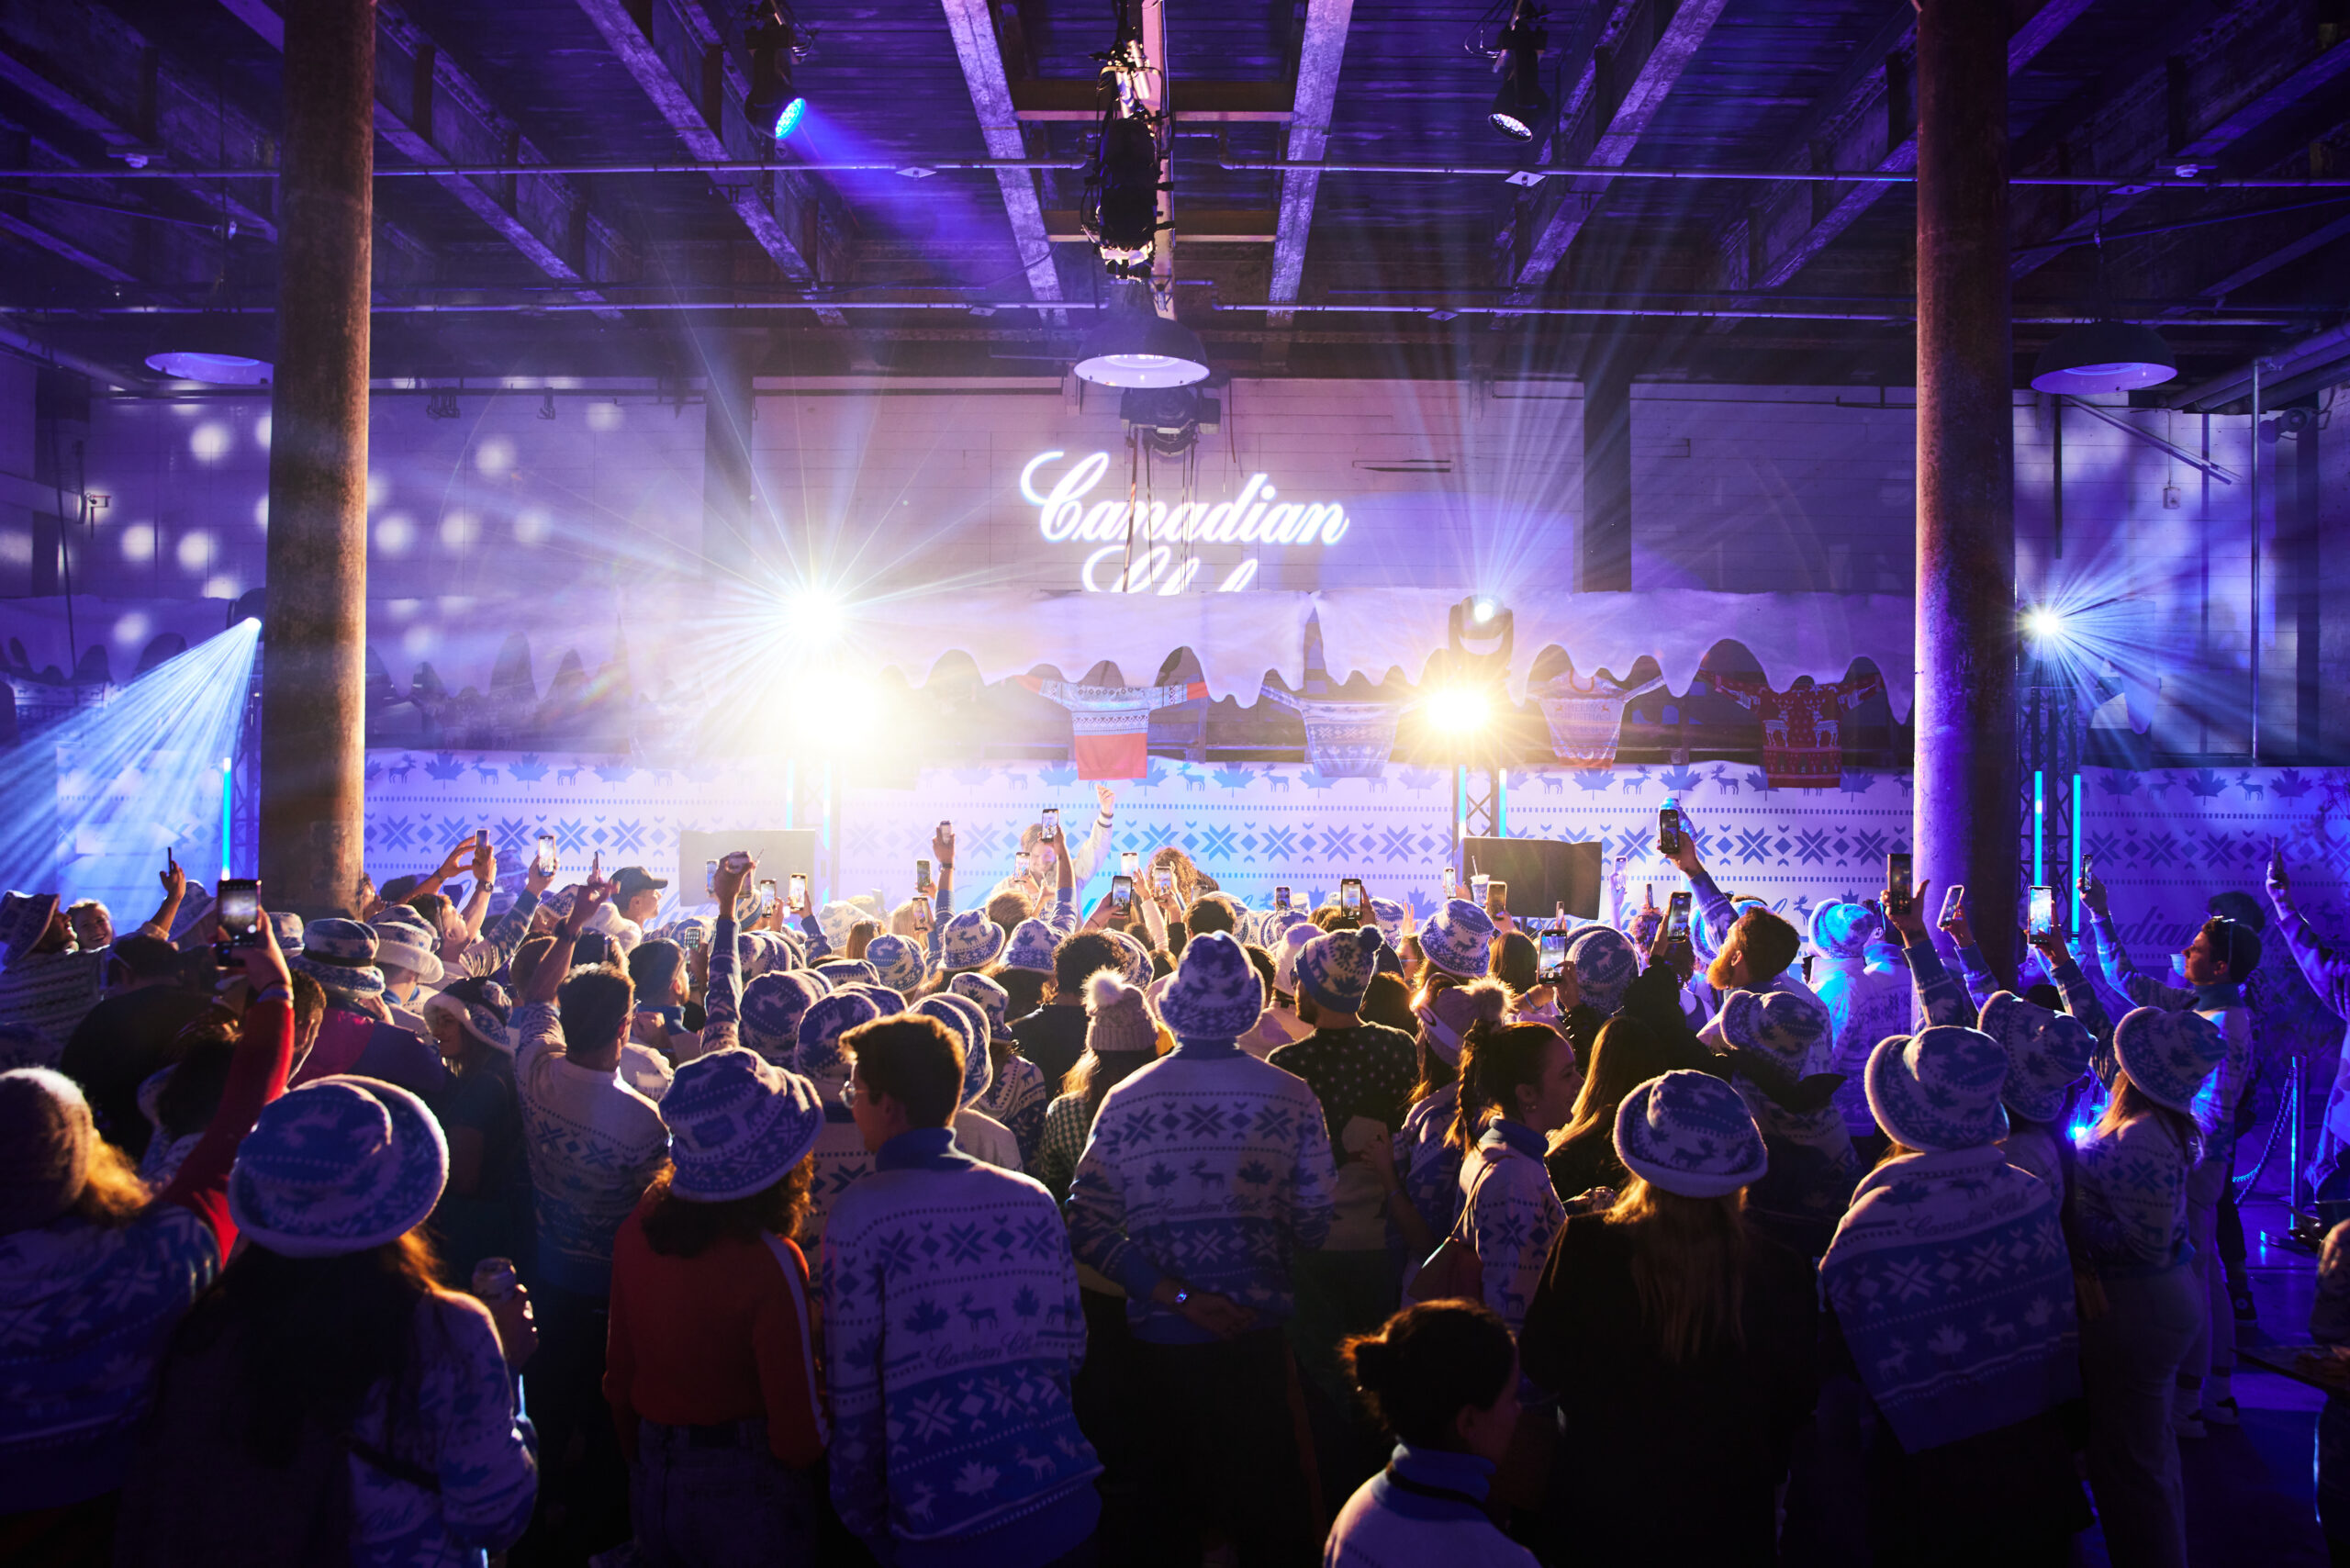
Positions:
(970, 941)
(969, 1027)
(339, 1165)
(288, 927)
(737, 1125)
(2168, 1055)
(1335, 968)
(838, 972)
(1032, 946)
(1395, 921)
(881, 996)
(1605, 964)
(1939, 1089)
(2048, 1052)
(1277, 924)
(1841, 930)
(1459, 939)
(900, 960)
(1776, 1021)
(820, 1055)
(772, 1008)
(1134, 959)
(341, 956)
(1690, 1134)
(1713, 939)
(1215, 995)
(992, 999)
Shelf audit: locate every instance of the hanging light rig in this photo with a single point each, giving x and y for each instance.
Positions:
(774, 42)
(1126, 207)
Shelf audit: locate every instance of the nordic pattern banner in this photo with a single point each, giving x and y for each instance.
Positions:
(2162, 840)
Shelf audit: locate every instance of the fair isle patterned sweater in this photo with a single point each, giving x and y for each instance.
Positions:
(594, 1145)
(1951, 1281)
(1208, 1165)
(1510, 1215)
(1429, 1162)
(1865, 1007)
(952, 1320)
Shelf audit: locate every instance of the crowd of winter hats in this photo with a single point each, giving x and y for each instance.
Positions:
(1939, 1089)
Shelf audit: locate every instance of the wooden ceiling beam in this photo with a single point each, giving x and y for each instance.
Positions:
(1322, 52)
(682, 64)
(431, 111)
(1615, 98)
(971, 22)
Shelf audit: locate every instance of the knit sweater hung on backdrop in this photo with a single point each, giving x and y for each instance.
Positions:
(1208, 1165)
(1949, 1279)
(952, 1330)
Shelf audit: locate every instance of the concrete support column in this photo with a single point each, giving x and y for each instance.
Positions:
(1969, 804)
(313, 707)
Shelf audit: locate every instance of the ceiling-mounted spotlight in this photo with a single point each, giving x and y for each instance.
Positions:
(1135, 346)
(1520, 106)
(774, 42)
(2104, 356)
(1119, 209)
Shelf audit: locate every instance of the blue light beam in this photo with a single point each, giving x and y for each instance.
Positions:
(101, 797)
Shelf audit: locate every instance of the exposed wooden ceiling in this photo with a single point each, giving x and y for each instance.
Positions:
(1328, 271)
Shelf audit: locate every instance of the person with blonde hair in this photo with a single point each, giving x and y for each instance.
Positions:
(1683, 1341)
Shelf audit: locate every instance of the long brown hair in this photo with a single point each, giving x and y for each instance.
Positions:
(112, 1196)
(1093, 1075)
(316, 1335)
(1627, 1054)
(1688, 1267)
(1496, 1059)
(2129, 1102)
(685, 1227)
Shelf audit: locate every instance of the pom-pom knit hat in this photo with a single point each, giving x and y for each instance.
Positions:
(818, 1055)
(1393, 919)
(992, 999)
(24, 918)
(2168, 1055)
(2048, 1052)
(341, 956)
(970, 941)
(1134, 956)
(838, 972)
(773, 1006)
(1458, 939)
(338, 1166)
(47, 1137)
(1215, 995)
(1939, 1089)
(1841, 930)
(1776, 1021)
(1605, 964)
(1445, 1020)
(408, 946)
(1690, 1134)
(1032, 946)
(1118, 1016)
(1335, 969)
(969, 1027)
(1293, 943)
(898, 960)
(737, 1125)
(484, 1022)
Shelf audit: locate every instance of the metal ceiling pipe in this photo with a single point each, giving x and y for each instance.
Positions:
(2290, 360)
(105, 376)
(513, 171)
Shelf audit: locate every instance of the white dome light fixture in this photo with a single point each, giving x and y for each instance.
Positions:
(2104, 356)
(1135, 346)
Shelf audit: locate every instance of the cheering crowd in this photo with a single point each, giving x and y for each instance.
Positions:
(1161, 1232)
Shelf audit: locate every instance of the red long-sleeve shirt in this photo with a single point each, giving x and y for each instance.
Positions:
(722, 1336)
(256, 1076)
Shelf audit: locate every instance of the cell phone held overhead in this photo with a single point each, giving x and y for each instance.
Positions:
(1896, 883)
(1676, 919)
(1121, 895)
(1551, 960)
(1953, 902)
(2040, 919)
(237, 911)
(1668, 828)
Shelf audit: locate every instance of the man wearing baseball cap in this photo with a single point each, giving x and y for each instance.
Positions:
(636, 893)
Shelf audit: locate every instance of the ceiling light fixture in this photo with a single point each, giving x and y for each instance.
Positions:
(1135, 346)
(2104, 356)
(1119, 207)
(775, 44)
(1520, 106)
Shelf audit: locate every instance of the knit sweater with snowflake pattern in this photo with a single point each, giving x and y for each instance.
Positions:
(1210, 1166)
(953, 1329)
